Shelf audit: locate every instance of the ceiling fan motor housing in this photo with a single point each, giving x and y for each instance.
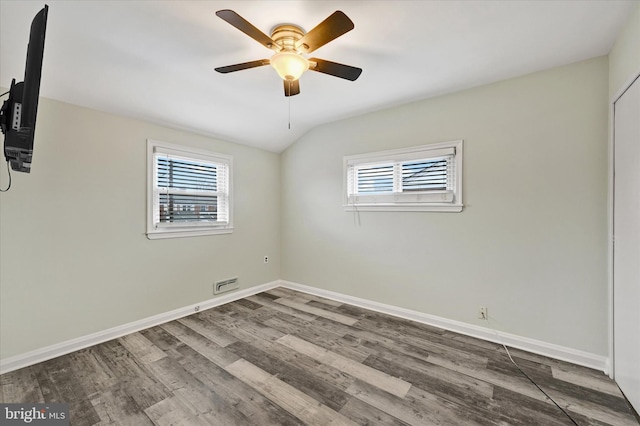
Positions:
(286, 36)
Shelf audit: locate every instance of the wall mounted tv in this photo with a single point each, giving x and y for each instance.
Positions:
(18, 112)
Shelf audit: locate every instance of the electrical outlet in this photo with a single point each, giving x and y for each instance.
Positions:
(266, 259)
(482, 313)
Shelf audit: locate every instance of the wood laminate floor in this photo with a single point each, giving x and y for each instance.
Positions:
(288, 358)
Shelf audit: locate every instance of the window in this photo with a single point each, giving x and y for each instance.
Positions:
(421, 178)
(189, 192)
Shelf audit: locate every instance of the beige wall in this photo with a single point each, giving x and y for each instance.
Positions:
(530, 243)
(624, 58)
(74, 258)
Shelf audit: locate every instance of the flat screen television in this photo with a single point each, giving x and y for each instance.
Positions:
(18, 112)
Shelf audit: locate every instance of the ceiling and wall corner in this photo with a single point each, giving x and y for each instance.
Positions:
(155, 60)
(624, 58)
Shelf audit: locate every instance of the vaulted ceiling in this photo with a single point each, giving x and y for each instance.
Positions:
(155, 60)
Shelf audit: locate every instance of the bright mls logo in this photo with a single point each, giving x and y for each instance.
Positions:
(34, 414)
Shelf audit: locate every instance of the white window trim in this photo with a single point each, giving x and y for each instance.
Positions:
(154, 232)
(404, 202)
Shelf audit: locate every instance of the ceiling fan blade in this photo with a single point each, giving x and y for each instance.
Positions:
(331, 28)
(246, 27)
(243, 66)
(335, 69)
(291, 87)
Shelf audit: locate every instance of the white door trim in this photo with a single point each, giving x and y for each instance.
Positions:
(610, 168)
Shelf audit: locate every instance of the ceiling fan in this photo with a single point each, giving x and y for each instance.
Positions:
(291, 43)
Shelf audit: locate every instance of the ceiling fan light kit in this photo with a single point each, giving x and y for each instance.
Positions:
(289, 65)
(290, 43)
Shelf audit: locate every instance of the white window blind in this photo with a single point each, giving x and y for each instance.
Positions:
(416, 178)
(427, 175)
(373, 178)
(190, 191)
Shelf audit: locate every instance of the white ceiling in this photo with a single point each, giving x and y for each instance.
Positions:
(155, 60)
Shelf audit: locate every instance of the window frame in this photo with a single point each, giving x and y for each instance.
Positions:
(425, 201)
(158, 231)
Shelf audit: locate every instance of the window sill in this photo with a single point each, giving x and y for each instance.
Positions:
(449, 208)
(161, 234)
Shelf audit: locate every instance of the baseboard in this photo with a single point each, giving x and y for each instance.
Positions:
(531, 345)
(550, 350)
(58, 349)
